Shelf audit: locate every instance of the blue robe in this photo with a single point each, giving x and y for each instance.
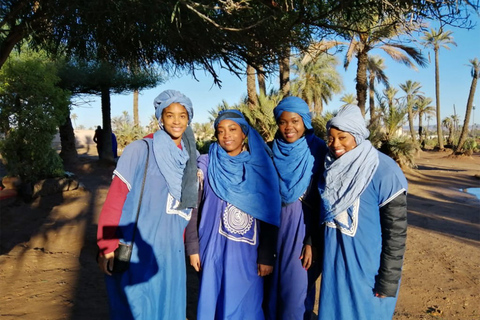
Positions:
(230, 287)
(155, 285)
(353, 244)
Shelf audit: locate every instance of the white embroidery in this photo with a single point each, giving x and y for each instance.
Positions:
(236, 224)
(399, 192)
(172, 205)
(346, 223)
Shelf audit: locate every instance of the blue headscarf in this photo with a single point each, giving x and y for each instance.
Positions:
(291, 104)
(295, 162)
(249, 180)
(168, 97)
(348, 176)
(178, 166)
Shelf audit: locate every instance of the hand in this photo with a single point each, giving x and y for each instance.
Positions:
(264, 270)
(379, 295)
(195, 261)
(105, 262)
(306, 256)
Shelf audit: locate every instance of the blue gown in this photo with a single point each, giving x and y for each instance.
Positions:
(155, 285)
(353, 244)
(230, 287)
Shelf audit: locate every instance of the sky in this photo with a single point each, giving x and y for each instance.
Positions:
(455, 81)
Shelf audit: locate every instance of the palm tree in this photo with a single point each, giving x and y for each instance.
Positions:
(378, 34)
(448, 123)
(251, 87)
(412, 91)
(475, 64)
(348, 99)
(74, 117)
(423, 108)
(437, 39)
(317, 80)
(136, 122)
(375, 69)
(393, 112)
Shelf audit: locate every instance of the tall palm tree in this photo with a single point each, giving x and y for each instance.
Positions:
(378, 34)
(423, 108)
(475, 64)
(375, 70)
(393, 112)
(436, 39)
(413, 93)
(136, 122)
(317, 80)
(251, 87)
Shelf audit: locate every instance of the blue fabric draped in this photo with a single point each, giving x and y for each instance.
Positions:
(171, 160)
(297, 105)
(249, 180)
(295, 163)
(347, 177)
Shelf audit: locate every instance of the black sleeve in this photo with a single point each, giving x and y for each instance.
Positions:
(393, 219)
(191, 231)
(267, 248)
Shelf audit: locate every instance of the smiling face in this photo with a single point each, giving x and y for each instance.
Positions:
(340, 142)
(290, 126)
(175, 121)
(230, 137)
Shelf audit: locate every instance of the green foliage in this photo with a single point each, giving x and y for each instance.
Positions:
(125, 130)
(401, 150)
(31, 109)
(470, 146)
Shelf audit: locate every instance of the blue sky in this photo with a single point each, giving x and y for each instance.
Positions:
(455, 80)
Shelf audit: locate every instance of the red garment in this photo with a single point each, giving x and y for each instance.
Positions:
(110, 216)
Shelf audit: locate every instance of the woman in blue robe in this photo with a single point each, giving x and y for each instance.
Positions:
(154, 286)
(239, 209)
(298, 157)
(364, 210)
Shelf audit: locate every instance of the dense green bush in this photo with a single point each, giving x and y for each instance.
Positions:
(31, 109)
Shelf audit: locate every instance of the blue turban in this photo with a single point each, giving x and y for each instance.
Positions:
(350, 119)
(167, 97)
(297, 105)
(248, 180)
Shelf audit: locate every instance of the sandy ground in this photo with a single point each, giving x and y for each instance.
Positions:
(47, 247)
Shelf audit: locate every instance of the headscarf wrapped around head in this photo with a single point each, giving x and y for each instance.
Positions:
(297, 105)
(167, 97)
(350, 119)
(348, 176)
(177, 165)
(298, 161)
(248, 180)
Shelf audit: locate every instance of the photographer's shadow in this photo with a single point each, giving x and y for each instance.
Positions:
(143, 267)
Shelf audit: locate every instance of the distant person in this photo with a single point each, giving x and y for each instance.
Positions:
(364, 209)
(114, 146)
(298, 156)
(154, 287)
(98, 139)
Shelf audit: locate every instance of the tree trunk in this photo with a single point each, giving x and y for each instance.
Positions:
(361, 85)
(437, 100)
(136, 122)
(410, 118)
(420, 129)
(371, 99)
(471, 95)
(106, 153)
(261, 81)
(68, 153)
(251, 88)
(284, 66)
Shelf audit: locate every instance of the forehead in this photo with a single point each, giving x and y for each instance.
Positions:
(175, 108)
(227, 123)
(286, 115)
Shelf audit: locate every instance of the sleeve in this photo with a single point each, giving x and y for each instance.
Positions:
(266, 252)
(109, 219)
(191, 231)
(393, 220)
